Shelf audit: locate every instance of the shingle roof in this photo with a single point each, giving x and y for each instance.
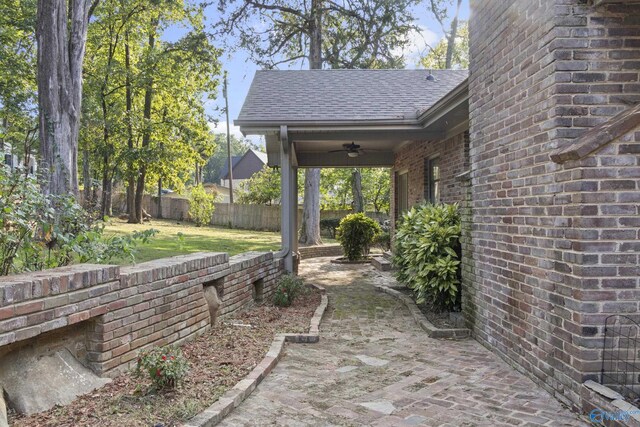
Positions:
(225, 169)
(262, 156)
(287, 96)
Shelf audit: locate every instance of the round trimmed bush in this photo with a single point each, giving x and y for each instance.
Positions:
(356, 233)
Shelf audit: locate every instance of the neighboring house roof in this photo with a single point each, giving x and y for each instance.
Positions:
(224, 172)
(288, 97)
(251, 162)
(262, 156)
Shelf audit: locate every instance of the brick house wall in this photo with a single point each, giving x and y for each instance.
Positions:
(453, 161)
(554, 247)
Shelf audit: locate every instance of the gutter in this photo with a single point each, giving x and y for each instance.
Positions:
(451, 100)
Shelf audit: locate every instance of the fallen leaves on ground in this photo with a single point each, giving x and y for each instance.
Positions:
(217, 359)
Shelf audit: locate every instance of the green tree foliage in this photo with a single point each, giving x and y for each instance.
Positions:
(445, 53)
(376, 188)
(139, 128)
(427, 254)
(336, 191)
(436, 59)
(18, 103)
(356, 233)
(201, 206)
(263, 188)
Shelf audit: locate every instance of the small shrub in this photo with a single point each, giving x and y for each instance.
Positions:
(330, 225)
(426, 253)
(287, 289)
(356, 233)
(201, 206)
(39, 231)
(166, 366)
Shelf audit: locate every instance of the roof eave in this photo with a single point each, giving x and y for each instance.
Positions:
(250, 127)
(453, 99)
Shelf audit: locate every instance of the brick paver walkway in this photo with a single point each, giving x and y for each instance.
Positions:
(374, 366)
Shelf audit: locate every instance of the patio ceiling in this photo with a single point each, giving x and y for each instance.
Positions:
(408, 108)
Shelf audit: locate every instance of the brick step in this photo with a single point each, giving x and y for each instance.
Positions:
(381, 263)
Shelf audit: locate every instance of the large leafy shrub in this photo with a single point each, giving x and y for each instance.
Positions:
(39, 231)
(287, 289)
(166, 366)
(426, 253)
(201, 206)
(356, 233)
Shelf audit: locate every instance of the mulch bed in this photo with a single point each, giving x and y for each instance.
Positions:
(217, 361)
(439, 318)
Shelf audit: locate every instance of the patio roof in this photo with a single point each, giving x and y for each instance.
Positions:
(307, 117)
(343, 96)
(379, 110)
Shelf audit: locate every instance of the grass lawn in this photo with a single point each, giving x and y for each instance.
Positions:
(195, 239)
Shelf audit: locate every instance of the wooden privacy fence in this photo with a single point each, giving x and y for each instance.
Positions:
(248, 217)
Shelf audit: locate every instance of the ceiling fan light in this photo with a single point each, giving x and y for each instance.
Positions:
(352, 153)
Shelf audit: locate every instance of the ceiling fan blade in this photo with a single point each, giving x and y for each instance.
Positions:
(337, 151)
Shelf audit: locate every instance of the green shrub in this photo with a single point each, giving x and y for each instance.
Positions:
(201, 206)
(356, 233)
(39, 231)
(166, 366)
(330, 225)
(426, 253)
(287, 289)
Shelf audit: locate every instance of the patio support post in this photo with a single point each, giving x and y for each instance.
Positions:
(289, 202)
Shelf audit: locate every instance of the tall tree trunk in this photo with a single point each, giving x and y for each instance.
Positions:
(105, 203)
(131, 180)
(86, 179)
(146, 134)
(451, 40)
(61, 41)
(311, 217)
(105, 185)
(310, 232)
(356, 188)
(107, 195)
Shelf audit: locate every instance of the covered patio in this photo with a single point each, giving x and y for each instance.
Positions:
(347, 118)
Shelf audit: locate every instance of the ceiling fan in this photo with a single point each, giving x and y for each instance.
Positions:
(352, 150)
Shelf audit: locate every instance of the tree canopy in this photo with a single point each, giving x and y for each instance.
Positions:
(436, 59)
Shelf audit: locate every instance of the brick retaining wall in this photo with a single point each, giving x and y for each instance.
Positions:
(128, 309)
(320, 251)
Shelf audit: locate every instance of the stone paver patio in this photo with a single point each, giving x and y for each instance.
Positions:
(375, 366)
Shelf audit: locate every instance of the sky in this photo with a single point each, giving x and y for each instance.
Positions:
(241, 70)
